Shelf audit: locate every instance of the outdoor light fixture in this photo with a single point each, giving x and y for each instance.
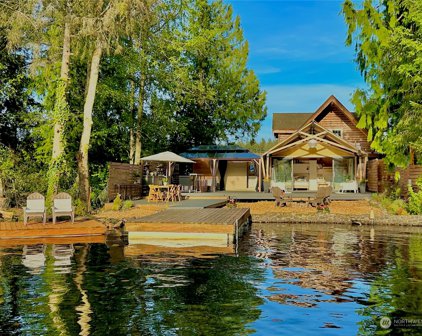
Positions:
(312, 143)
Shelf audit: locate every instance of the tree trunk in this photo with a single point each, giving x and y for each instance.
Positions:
(83, 169)
(132, 123)
(131, 146)
(60, 116)
(138, 143)
(59, 104)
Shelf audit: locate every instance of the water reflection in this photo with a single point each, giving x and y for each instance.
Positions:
(344, 277)
(286, 279)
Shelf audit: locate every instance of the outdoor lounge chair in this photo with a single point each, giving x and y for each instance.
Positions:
(279, 196)
(322, 196)
(35, 207)
(62, 206)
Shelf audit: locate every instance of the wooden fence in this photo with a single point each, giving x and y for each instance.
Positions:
(125, 179)
(381, 179)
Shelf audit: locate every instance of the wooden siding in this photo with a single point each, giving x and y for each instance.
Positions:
(202, 167)
(335, 119)
(372, 175)
(283, 136)
(380, 178)
(123, 174)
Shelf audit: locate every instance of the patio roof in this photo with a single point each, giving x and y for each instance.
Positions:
(227, 153)
(166, 157)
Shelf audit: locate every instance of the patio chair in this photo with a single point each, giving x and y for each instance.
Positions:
(279, 196)
(155, 194)
(62, 206)
(178, 193)
(33, 258)
(171, 194)
(322, 196)
(35, 207)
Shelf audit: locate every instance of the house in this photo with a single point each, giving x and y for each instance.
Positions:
(230, 168)
(321, 148)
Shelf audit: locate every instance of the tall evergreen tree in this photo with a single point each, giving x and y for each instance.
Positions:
(387, 35)
(214, 96)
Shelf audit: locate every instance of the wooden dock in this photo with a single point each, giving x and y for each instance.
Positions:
(192, 251)
(39, 231)
(190, 227)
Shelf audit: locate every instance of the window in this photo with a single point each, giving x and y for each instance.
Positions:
(338, 132)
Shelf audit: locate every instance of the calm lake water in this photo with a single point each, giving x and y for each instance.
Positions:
(286, 280)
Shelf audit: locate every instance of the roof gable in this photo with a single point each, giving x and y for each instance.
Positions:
(332, 101)
(315, 131)
(294, 121)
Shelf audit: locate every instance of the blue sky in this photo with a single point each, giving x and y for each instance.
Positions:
(298, 52)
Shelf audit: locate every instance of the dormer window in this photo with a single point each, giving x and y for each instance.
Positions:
(338, 132)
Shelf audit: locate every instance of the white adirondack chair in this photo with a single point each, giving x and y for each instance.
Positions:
(62, 206)
(35, 207)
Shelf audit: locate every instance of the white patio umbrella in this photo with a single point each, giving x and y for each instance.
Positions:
(169, 157)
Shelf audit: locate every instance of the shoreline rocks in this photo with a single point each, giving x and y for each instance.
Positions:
(393, 220)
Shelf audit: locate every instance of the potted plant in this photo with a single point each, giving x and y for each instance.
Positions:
(165, 181)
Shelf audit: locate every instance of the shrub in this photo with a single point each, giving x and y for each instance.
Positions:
(20, 175)
(398, 207)
(392, 206)
(117, 203)
(414, 205)
(127, 205)
(98, 200)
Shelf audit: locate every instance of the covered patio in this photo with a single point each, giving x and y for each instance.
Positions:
(314, 156)
(230, 168)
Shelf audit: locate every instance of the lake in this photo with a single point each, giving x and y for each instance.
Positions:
(285, 280)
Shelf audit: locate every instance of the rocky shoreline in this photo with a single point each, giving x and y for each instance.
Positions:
(322, 218)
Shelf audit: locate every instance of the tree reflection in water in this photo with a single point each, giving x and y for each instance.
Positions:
(377, 270)
(287, 278)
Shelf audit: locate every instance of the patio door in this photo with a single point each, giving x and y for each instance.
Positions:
(343, 171)
(282, 174)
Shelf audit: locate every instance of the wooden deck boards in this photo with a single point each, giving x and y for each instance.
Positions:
(18, 230)
(196, 216)
(189, 227)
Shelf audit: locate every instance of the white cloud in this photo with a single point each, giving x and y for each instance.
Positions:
(301, 98)
(266, 69)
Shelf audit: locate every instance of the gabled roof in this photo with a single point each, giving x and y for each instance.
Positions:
(293, 121)
(320, 134)
(289, 121)
(332, 100)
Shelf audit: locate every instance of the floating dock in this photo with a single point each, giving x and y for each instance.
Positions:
(39, 231)
(174, 228)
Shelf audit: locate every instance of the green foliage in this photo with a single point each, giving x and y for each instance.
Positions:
(211, 95)
(388, 42)
(258, 147)
(394, 206)
(79, 207)
(127, 205)
(20, 176)
(182, 64)
(414, 205)
(117, 203)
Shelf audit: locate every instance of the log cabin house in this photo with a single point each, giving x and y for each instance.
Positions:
(320, 148)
